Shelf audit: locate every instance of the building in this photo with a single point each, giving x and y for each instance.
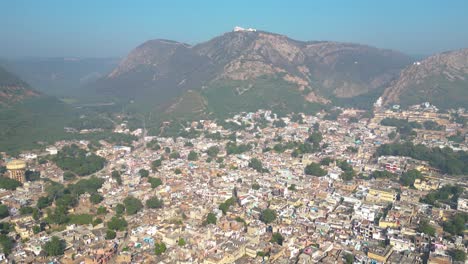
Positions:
(380, 254)
(16, 170)
(376, 195)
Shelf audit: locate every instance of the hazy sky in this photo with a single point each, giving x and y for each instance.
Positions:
(101, 28)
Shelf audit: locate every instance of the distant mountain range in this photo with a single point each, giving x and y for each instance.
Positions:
(248, 69)
(13, 89)
(60, 76)
(441, 79)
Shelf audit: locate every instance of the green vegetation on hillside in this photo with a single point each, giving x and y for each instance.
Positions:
(446, 160)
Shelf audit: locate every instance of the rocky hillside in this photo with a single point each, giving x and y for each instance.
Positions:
(441, 79)
(159, 70)
(13, 89)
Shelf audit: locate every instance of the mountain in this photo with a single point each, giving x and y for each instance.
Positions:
(441, 79)
(249, 69)
(27, 116)
(13, 89)
(60, 76)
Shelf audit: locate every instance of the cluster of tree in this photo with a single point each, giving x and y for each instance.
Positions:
(4, 211)
(257, 165)
(448, 194)
(159, 248)
(431, 125)
(279, 123)
(408, 177)
(32, 175)
(426, 228)
(192, 156)
(54, 247)
(74, 159)
(117, 224)
(210, 219)
(456, 225)
(233, 148)
(156, 164)
(233, 126)
(404, 127)
(143, 173)
(255, 186)
(153, 144)
(383, 174)
(445, 159)
(348, 171)
(117, 177)
(224, 207)
(277, 238)
(212, 151)
(267, 216)
(132, 205)
(458, 138)
(154, 202)
(458, 255)
(155, 182)
(214, 136)
(314, 169)
(297, 118)
(9, 184)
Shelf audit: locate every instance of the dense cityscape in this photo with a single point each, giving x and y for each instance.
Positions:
(341, 186)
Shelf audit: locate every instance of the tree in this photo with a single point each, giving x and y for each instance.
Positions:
(4, 211)
(408, 178)
(257, 165)
(458, 255)
(314, 169)
(213, 151)
(292, 187)
(110, 234)
(174, 155)
(155, 182)
(159, 248)
(68, 175)
(426, 228)
(210, 219)
(43, 202)
(349, 258)
(326, 161)
(156, 164)
(96, 198)
(117, 224)
(192, 156)
(277, 238)
(143, 173)
(267, 216)
(456, 225)
(116, 176)
(177, 171)
(6, 244)
(54, 247)
(181, 242)
(101, 210)
(132, 205)
(36, 229)
(392, 135)
(119, 209)
(26, 210)
(154, 202)
(9, 184)
(255, 186)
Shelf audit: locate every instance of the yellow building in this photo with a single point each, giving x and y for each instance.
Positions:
(426, 185)
(376, 195)
(380, 254)
(16, 170)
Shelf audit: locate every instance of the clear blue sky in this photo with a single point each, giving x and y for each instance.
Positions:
(102, 28)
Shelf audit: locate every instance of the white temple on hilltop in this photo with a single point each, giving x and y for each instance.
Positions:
(241, 29)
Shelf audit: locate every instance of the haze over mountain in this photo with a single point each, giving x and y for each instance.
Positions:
(253, 63)
(60, 76)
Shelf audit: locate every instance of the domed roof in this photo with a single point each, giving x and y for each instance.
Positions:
(16, 165)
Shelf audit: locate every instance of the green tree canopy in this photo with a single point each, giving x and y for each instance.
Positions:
(54, 247)
(132, 205)
(154, 202)
(267, 216)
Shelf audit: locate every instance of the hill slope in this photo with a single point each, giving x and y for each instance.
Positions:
(160, 70)
(13, 89)
(441, 79)
(26, 116)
